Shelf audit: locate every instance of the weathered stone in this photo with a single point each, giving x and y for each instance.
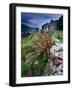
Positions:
(60, 54)
(30, 57)
(57, 40)
(57, 70)
(57, 50)
(47, 69)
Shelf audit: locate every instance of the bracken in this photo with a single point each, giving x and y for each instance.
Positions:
(43, 43)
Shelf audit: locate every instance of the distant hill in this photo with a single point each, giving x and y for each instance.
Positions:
(26, 28)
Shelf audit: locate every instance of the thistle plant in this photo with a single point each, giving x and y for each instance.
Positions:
(43, 43)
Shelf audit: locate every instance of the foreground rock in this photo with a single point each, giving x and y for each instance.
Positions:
(57, 53)
(55, 66)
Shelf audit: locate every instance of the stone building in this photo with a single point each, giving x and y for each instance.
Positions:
(50, 26)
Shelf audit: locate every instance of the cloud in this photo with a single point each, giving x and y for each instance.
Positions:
(38, 19)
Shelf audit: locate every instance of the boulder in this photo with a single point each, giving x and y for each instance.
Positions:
(57, 50)
(56, 60)
(57, 70)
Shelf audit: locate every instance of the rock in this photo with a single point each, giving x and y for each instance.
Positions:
(56, 63)
(60, 54)
(47, 69)
(30, 57)
(36, 63)
(57, 70)
(57, 50)
(56, 60)
(60, 67)
(51, 69)
(60, 73)
(56, 40)
(60, 48)
(53, 49)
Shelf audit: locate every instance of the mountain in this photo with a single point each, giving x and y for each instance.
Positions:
(26, 28)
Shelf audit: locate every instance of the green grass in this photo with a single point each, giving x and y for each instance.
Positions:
(28, 41)
(25, 69)
(58, 35)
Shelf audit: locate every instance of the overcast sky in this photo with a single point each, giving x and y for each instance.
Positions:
(38, 19)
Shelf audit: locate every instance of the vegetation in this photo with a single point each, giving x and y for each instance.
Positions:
(35, 52)
(58, 35)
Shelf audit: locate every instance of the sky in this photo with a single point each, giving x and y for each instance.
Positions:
(36, 20)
